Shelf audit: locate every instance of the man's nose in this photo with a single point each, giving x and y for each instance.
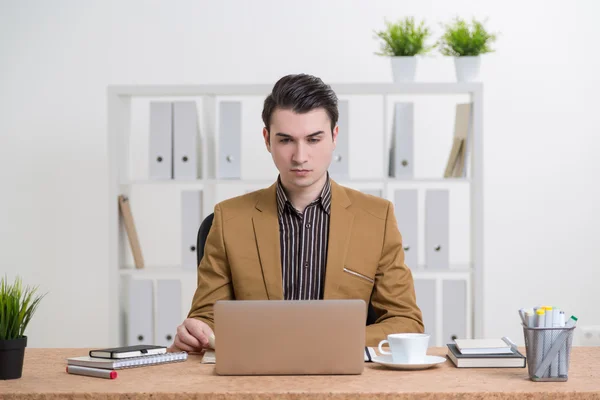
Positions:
(300, 155)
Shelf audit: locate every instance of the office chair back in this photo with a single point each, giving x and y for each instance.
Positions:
(201, 241)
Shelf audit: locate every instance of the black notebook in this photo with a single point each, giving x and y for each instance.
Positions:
(128, 351)
(513, 360)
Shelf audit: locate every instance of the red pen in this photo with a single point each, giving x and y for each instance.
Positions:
(96, 372)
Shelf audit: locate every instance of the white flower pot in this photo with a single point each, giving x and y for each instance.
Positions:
(404, 68)
(467, 68)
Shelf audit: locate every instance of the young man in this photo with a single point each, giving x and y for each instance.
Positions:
(305, 237)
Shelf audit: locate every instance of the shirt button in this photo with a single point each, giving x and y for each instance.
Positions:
(306, 265)
(308, 226)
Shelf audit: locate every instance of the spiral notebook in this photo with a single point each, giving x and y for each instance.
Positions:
(133, 362)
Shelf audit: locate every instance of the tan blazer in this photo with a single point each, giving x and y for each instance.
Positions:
(365, 258)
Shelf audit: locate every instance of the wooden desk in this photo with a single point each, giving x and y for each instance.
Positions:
(44, 377)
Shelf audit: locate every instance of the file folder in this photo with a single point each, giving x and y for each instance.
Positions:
(191, 218)
(132, 236)
(401, 151)
(406, 210)
(437, 228)
(186, 141)
(338, 169)
(168, 310)
(230, 140)
(454, 315)
(456, 167)
(140, 326)
(161, 141)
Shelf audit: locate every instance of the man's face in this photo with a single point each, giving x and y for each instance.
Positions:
(301, 146)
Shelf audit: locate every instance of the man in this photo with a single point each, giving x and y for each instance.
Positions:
(305, 237)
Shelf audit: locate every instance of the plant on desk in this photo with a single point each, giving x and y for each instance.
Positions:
(17, 306)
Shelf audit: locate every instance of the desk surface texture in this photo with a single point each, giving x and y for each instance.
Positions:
(44, 377)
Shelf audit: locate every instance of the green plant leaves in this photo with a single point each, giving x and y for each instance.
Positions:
(407, 38)
(404, 38)
(17, 306)
(460, 39)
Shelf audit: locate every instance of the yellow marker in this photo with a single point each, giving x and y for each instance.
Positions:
(539, 318)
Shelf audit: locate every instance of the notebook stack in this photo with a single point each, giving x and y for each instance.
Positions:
(485, 353)
(100, 362)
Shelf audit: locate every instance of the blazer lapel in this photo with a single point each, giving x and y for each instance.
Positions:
(340, 227)
(266, 230)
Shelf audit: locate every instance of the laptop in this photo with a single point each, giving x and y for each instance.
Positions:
(290, 337)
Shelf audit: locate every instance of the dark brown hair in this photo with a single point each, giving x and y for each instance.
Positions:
(301, 93)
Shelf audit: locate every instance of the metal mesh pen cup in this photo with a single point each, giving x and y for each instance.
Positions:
(548, 353)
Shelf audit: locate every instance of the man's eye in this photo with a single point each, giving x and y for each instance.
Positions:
(313, 140)
(284, 140)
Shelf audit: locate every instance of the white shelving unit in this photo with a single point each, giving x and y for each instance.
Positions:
(121, 182)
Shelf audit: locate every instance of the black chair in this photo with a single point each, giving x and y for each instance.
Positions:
(201, 241)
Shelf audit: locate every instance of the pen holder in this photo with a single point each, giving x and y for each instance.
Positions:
(548, 353)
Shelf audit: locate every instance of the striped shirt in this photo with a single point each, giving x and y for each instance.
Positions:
(303, 238)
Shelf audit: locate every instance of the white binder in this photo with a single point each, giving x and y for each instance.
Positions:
(454, 297)
(406, 210)
(186, 141)
(338, 169)
(140, 325)
(168, 310)
(437, 209)
(230, 140)
(401, 152)
(191, 218)
(160, 141)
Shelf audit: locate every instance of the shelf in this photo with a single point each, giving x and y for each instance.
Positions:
(124, 102)
(423, 88)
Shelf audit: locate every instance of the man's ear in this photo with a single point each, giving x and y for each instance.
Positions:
(267, 138)
(335, 135)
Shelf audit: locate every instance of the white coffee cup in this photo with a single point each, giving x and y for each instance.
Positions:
(406, 348)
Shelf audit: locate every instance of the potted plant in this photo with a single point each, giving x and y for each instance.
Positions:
(466, 43)
(402, 41)
(17, 306)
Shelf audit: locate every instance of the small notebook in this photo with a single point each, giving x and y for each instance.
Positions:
(133, 362)
(482, 346)
(128, 351)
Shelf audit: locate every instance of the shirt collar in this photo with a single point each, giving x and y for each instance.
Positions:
(324, 197)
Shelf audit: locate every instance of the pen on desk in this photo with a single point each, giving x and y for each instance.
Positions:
(88, 371)
(509, 342)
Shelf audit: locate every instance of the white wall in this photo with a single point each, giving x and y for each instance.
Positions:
(56, 59)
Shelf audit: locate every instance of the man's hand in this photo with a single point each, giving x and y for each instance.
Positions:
(192, 336)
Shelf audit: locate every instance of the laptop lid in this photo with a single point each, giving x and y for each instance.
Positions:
(289, 337)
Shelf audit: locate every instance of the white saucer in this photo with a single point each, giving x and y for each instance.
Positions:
(429, 362)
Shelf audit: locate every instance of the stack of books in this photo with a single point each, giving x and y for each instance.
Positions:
(103, 363)
(485, 353)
